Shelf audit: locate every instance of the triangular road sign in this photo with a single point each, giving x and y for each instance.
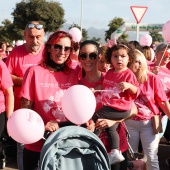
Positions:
(138, 12)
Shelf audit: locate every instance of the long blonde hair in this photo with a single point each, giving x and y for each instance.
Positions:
(141, 75)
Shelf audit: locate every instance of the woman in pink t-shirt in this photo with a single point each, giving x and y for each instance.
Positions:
(93, 78)
(43, 87)
(151, 97)
(6, 95)
(3, 46)
(159, 67)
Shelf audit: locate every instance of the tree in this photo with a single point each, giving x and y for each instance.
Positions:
(51, 14)
(6, 31)
(84, 32)
(113, 26)
(156, 37)
(96, 39)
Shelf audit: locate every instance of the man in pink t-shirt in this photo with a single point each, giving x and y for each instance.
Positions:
(24, 56)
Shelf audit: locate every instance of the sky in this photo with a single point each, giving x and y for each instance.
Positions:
(98, 13)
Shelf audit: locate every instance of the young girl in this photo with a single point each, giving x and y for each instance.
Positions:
(120, 89)
(103, 66)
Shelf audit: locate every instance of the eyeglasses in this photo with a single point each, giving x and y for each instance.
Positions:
(8, 52)
(92, 56)
(58, 47)
(37, 26)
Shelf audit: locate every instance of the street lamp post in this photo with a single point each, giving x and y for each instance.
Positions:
(81, 18)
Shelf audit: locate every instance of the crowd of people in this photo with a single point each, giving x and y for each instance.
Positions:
(130, 84)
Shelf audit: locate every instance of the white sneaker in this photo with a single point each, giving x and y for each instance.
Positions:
(115, 157)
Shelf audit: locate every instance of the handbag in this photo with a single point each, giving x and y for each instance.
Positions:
(157, 124)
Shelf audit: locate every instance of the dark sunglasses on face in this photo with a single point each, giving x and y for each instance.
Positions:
(37, 26)
(58, 47)
(92, 56)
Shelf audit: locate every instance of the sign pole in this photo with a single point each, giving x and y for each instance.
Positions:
(81, 18)
(137, 32)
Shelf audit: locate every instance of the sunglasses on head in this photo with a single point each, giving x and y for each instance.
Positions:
(58, 47)
(37, 26)
(92, 56)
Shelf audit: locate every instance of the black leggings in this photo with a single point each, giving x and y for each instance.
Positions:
(30, 159)
(2, 122)
(110, 113)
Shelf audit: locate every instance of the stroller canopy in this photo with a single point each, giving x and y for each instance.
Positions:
(73, 148)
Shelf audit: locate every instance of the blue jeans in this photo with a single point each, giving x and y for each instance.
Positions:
(20, 148)
(143, 130)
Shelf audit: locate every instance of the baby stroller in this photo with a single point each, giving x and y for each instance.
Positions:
(73, 147)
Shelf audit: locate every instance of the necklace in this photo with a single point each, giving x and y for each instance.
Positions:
(93, 78)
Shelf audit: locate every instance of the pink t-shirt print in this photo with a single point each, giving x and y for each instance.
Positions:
(164, 76)
(114, 98)
(47, 90)
(152, 93)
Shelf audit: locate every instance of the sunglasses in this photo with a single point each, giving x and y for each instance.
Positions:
(58, 47)
(37, 26)
(92, 56)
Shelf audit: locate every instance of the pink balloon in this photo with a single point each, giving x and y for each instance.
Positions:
(146, 40)
(166, 31)
(78, 104)
(25, 126)
(76, 34)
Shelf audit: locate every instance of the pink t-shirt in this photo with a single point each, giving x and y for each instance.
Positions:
(5, 83)
(114, 98)
(76, 65)
(45, 89)
(3, 55)
(18, 62)
(168, 65)
(152, 93)
(85, 82)
(164, 76)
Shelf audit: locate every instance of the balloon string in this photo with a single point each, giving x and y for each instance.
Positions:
(101, 90)
(163, 55)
